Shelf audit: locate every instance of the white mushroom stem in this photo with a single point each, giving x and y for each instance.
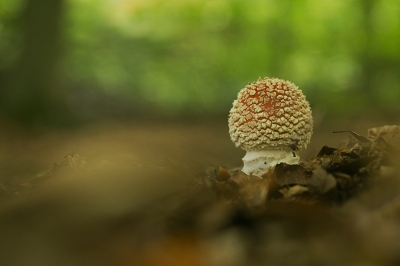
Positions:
(260, 162)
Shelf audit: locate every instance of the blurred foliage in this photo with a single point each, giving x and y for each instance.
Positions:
(180, 57)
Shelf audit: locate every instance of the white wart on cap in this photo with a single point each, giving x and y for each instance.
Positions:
(271, 120)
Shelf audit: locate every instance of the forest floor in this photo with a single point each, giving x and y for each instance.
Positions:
(122, 206)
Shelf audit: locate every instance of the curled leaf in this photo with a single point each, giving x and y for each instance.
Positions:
(386, 135)
(287, 174)
(255, 193)
(239, 179)
(222, 175)
(290, 192)
(326, 151)
(321, 181)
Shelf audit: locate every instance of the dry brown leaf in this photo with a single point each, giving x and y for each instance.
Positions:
(390, 132)
(386, 138)
(287, 174)
(239, 179)
(255, 193)
(290, 192)
(222, 175)
(321, 181)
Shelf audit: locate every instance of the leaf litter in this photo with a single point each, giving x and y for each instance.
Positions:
(294, 214)
(333, 177)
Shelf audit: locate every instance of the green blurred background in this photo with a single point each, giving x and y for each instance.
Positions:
(63, 61)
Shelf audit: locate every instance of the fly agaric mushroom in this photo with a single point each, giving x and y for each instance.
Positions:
(271, 120)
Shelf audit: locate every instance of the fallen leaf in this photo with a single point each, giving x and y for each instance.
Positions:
(222, 174)
(255, 193)
(287, 174)
(290, 192)
(321, 181)
(326, 151)
(391, 134)
(239, 179)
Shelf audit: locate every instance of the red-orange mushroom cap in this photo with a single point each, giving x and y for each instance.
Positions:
(271, 114)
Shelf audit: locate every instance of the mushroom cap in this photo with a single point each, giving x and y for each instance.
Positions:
(270, 113)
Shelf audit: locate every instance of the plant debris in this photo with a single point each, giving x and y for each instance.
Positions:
(314, 213)
(334, 176)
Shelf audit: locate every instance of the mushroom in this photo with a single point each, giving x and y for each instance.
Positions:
(271, 120)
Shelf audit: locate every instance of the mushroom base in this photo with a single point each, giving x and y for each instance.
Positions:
(259, 162)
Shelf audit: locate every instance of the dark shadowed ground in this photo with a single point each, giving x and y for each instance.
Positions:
(116, 211)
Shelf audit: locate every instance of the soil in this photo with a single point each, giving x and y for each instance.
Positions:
(130, 199)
